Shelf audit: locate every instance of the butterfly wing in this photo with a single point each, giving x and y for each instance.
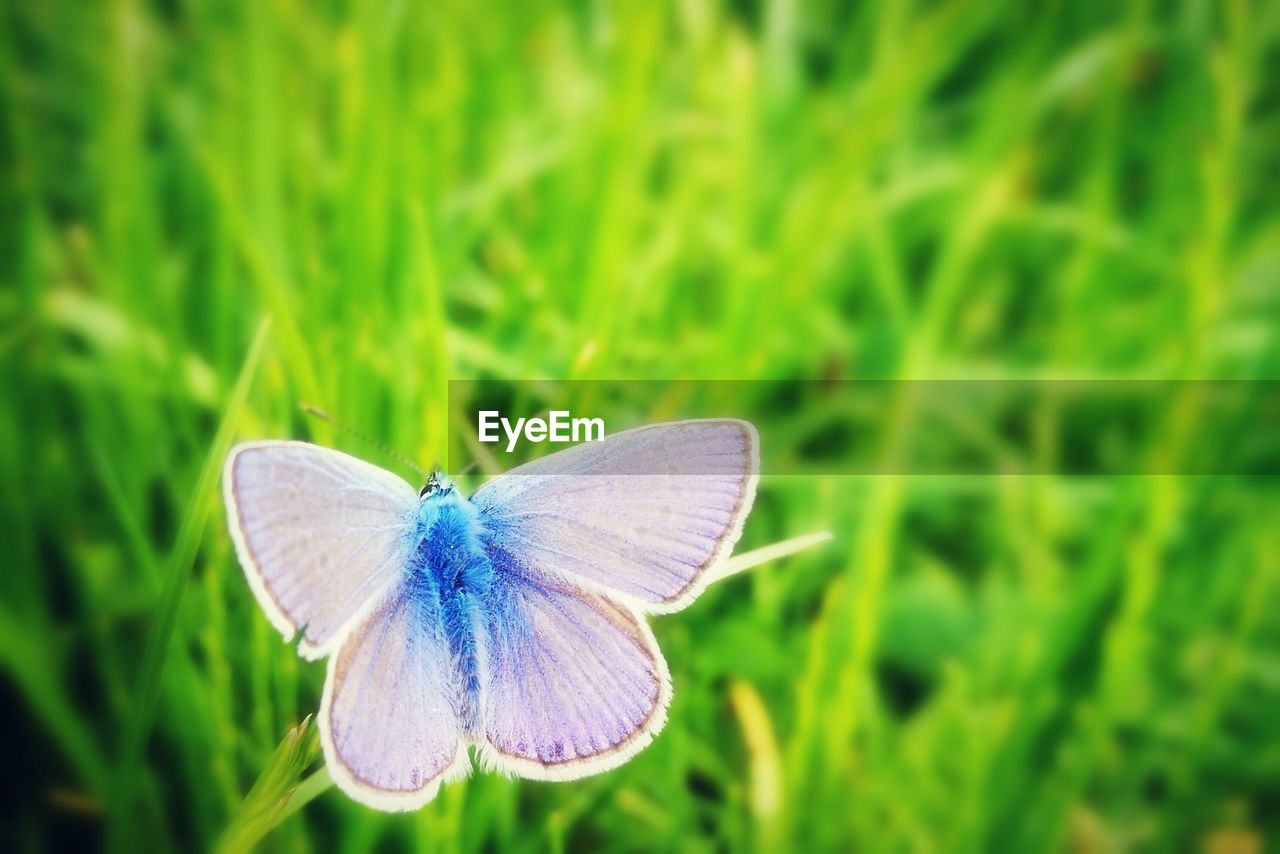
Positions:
(640, 516)
(572, 683)
(323, 537)
(388, 720)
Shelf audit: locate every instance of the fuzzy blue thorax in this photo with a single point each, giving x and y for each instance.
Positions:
(450, 576)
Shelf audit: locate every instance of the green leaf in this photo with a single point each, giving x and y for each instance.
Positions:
(279, 790)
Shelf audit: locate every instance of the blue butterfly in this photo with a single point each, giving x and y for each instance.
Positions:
(510, 621)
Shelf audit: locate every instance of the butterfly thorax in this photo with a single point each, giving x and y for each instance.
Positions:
(450, 575)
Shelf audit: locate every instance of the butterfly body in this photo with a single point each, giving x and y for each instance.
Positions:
(509, 622)
(452, 574)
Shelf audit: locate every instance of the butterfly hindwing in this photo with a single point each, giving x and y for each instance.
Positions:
(388, 720)
(573, 683)
(640, 516)
(322, 536)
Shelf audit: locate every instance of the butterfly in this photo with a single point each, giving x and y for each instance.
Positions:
(512, 621)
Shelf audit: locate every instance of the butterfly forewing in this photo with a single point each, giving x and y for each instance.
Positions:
(322, 536)
(640, 516)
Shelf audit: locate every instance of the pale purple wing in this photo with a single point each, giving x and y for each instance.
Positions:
(572, 684)
(641, 516)
(388, 720)
(322, 536)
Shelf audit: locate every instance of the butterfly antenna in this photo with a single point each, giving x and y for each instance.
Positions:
(351, 431)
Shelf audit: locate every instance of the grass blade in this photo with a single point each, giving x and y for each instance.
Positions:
(776, 551)
(177, 574)
(279, 791)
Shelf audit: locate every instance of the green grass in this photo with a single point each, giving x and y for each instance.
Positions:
(413, 193)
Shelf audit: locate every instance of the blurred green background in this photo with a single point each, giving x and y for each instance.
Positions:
(703, 189)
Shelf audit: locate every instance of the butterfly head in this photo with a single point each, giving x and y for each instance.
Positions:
(437, 484)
